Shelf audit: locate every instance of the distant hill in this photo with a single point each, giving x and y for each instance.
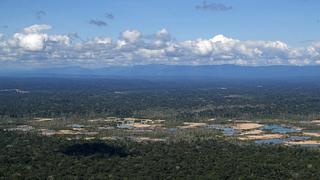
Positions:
(173, 71)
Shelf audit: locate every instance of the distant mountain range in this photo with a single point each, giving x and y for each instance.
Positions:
(172, 71)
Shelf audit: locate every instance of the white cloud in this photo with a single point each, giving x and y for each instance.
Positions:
(31, 42)
(102, 40)
(61, 39)
(150, 53)
(222, 39)
(162, 34)
(131, 36)
(32, 38)
(121, 43)
(33, 45)
(36, 28)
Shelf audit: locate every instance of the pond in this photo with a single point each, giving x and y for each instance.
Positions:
(281, 140)
(273, 128)
(228, 131)
(279, 129)
(172, 129)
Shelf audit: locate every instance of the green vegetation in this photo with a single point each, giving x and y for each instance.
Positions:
(39, 157)
(174, 100)
(85, 145)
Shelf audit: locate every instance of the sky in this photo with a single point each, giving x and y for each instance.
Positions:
(95, 33)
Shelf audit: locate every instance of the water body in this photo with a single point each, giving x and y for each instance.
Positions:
(228, 131)
(281, 140)
(172, 129)
(279, 129)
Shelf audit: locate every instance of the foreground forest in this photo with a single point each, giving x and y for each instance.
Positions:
(38, 157)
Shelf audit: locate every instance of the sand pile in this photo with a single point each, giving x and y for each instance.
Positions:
(246, 126)
(316, 134)
(67, 132)
(315, 121)
(140, 125)
(43, 119)
(187, 125)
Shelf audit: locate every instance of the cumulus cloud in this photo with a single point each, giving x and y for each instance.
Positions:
(35, 45)
(34, 39)
(31, 42)
(63, 40)
(213, 7)
(37, 28)
(163, 35)
(102, 40)
(131, 35)
(98, 23)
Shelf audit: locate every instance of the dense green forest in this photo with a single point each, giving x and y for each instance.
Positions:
(159, 98)
(187, 154)
(39, 157)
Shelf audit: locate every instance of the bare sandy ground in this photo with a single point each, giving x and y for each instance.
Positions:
(73, 132)
(305, 142)
(96, 120)
(108, 119)
(89, 138)
(187, 125)
(90, 133)
(140, 125)
(159, 121)
(153, 126)
(130, 119)
(262, 137)
(67, 132)
(47, 132)
(246, 126)
(140, 139)
(316, 134)
(43, 119)
(315, 121)
(78, 129)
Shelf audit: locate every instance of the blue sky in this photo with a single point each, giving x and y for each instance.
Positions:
(294, 22)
